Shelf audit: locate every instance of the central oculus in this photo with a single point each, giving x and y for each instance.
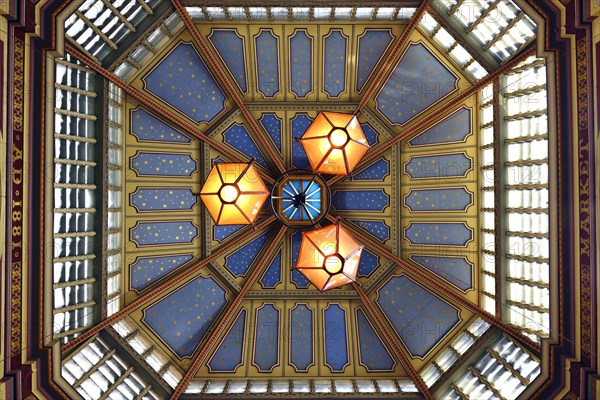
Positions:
(300, 199)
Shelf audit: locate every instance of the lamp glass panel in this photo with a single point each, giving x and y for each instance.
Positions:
(231, 216)
(251, 182)
(337, 280)
(309, 256)
(213, 204)
(316, 149)
(346, 244)
(318, 277)
(213, 183)
(319, 127)
(339, 120)
(354, 153)
(334, 164)
(230, 171)
(251, 204)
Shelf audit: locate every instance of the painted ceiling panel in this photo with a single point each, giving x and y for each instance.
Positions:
(153, 233)
(237, 136)
(375, 172)
(147, 270)
(230, 46)
(376, 228)
(163, 164)
(366, 200)
(454, 199)
(335, 337)
(335, 54)
(444, 165)
(438, 234)
(454, 128)
(267, 62)
(146, 127)
(272, 277)
(273, 126)
(300, 123)
(182, 318)
(418, 81)
(301, 337)
(298, 280)
(266, 338)
(373, 354)
(240, 260)
(368, 263)
(456, 270)
(222, 232)
(228, 356)
(148, 199)
(371, 46)
(182, 80)
(420, 318)
(370, 133)
(301, 79)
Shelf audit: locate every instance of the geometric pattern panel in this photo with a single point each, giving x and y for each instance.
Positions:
(373, 354)
(230, 46)
(420, 318)
(155, 233)
(147, 270)
(182, 80)
(454, 128)
(229, 354)
(445, 165)
(455, 199)
(438, 234)
(148, 128)
(418, 81)
(456, 270)
(371, 46)
(182, 318)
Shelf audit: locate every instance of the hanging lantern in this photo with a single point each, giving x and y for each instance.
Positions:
(329, 257)
(334, 143)
(233, 193)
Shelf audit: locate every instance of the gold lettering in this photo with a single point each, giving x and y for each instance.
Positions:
(17, 154)
(17, 176)
(16, 244)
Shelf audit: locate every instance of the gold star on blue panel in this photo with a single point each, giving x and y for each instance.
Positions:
(373, 354)
(446, 165)
(455, 128)
(301, 337)
(229, 354)
(455, 199)
(334, 333)
(438, 234)
(300, 60)
(371, 46)
(456, 270)
(267, 60)
(231, 49)
(368, 199)
(334, 79)
(375, 172)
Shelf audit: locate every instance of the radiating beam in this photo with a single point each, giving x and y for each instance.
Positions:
(185, 275)
(392, 341)
(438, 287)
(154, 106)
(441, 112)
(231, 312)
(226, 80)
(387, 65)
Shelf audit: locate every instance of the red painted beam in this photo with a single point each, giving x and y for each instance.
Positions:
(231, 312)
(392, 341)
(387, 65)
(156, 107)
(229, 85)
(183, 276)
(442, 111)
(438, 287)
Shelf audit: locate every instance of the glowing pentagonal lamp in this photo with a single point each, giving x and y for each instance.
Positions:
(334, 143)
(329, 257)
(234, 193)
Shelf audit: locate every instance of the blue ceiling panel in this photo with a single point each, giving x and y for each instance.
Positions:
(267, 60)
(371, 47)
(222, 232)
(240, 260)
(300, 124)
(158, 233)
(454, 199)
(301, 63)
(336, 338)
(371, 134)
(230, 47)
(456, 270)
(182, 80)
(373, 354)
(272, 125)
(439, 234)
(228, 356)
(375, 172)
(418, 81)
(163, 164)
(455, 128)
(438, 166)
(273, 275)
(266, 340)
(147, 128)
(368, 263)
(301, 337)
(334, 53)
(182, 318)
(298, 279)
(367, 200)
(147, 270)
(238, 137)
(376, 228)
(420, 318)
(153, 199)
